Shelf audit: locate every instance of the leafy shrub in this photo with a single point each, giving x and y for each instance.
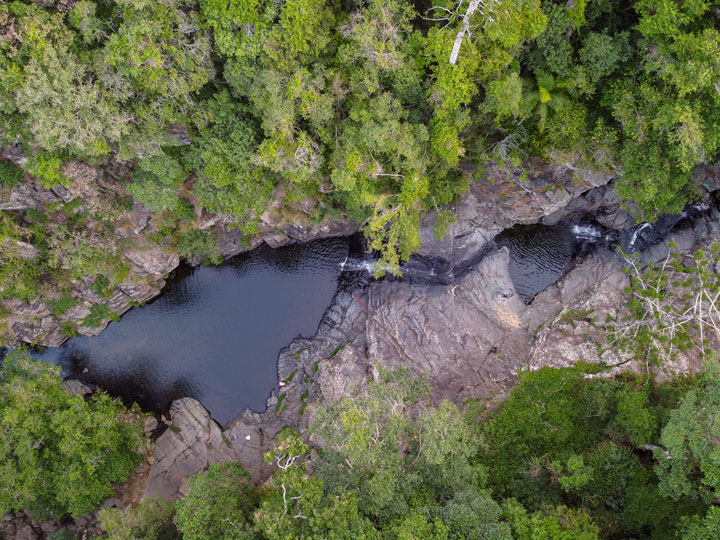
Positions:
(10, 175)
(47, 168)
(152, 520)
(61, 305)
(101, 286)
(219, 505)
(198, 245)
(59, 454)
(98, 314)
(68, 329)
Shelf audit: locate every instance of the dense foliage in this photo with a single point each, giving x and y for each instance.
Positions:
(59, 454)
(383, 110)
(375, 107)
(567, 456)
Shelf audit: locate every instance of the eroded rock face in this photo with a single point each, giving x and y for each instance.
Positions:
(75, 387)
(465, 338)
(276, 231)
(153, 260)
(344, 373)
(141, 291)
(193, 442)
(503, 198)
(96, 191)
(189, 446)
(25, 196)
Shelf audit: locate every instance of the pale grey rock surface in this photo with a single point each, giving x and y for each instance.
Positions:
(465, 338)
(153, 261)
(192, 443)
(75, 387)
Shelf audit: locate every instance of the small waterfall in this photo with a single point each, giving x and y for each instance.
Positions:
(637, 233)
(587, 233)
(416, 270)
(362, 265)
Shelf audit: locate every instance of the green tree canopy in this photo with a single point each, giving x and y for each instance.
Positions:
(58, 453)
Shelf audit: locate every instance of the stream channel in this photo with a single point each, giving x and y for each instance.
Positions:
(215, 332)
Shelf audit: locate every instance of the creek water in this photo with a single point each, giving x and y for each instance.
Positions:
(542, 254)
(215, 332)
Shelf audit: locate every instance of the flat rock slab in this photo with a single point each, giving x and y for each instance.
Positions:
(190, 445)
(468, 339)
(153, 261)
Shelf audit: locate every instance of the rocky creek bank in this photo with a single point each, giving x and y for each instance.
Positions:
(469, 337)
(132, 237)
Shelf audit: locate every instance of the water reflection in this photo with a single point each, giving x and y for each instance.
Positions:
(215, 332)
(539, 255)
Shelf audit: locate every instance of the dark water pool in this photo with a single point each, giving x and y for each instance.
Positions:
(215, 332)
(542, 254)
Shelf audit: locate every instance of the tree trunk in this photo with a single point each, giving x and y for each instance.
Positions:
(464, 29)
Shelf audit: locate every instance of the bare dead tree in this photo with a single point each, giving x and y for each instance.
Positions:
(440, 14)
(464, 29)
(692, 310)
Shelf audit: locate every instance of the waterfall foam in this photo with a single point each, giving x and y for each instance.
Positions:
(637, 232)
(588, 233)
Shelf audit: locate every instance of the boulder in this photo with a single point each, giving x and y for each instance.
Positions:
(75, 387)
(26, 196)
(141, 291)
(26, 332)
(78, 312)
(153, 261)
(26, 532)
(93, 330)
(55, 337)
(139, 217)
(62, 193)
(233, 241)
(190, 445)
(14, 153)
(119, 302)
(328, 228)
(23, 250)
(34, 310)
(150, 424)
(275, 238)
(707, 176)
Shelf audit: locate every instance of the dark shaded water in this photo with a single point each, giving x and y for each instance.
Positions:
(542, 254)
(215, 332)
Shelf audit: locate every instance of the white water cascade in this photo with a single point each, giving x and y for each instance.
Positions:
(588, 233)
(637, 232)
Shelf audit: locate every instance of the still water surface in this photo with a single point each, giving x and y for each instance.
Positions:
(541, 254)
(215, 332)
